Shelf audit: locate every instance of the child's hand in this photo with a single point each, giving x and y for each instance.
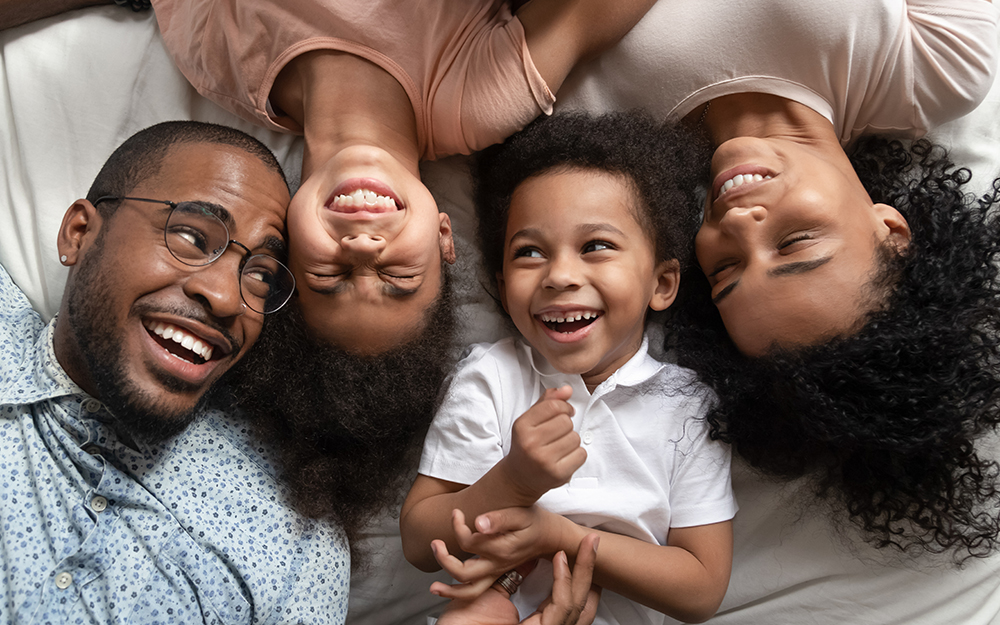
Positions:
(545, 451)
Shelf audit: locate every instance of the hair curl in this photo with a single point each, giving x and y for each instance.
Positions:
(886, 419)
(347, 428)
(655, 160)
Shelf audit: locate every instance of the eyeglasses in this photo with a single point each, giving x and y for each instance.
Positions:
(197, 237)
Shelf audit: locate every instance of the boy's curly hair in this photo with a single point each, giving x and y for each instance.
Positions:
(886, 419)
(656, 160)
(347, 428)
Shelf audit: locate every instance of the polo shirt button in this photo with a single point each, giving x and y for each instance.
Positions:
(93, 450)
(98, 504)
(63, 581)
(588, 437)
(91, 405)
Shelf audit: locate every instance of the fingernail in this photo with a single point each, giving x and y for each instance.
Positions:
(596, 542)
(484, 524)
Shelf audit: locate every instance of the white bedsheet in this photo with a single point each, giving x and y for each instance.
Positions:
(72, 88)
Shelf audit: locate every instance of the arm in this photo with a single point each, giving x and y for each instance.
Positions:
(16, 12)
(544, 453)
(561, 33)
(685, 579)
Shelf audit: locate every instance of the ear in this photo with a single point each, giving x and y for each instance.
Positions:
(503, 292)
(668, 278)
(79, 228)
(898, 231)
(445, 240)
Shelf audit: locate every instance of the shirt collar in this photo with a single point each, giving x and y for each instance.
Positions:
(639, 368)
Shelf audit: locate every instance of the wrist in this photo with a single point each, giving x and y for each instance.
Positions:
(513, 487)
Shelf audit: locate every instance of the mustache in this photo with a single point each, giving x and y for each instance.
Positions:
(194, 313)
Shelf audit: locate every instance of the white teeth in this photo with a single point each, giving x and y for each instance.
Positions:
(177, 335)
(740, 179)
(365, 197)
(548, 318)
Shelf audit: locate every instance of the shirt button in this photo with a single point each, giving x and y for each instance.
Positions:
(63, 580)
(588, 437)
(98, 504)
(93, 450)
(91, 405)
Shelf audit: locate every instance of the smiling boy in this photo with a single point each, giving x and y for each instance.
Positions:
(123, 498)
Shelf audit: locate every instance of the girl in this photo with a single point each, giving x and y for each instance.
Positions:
(582, 224)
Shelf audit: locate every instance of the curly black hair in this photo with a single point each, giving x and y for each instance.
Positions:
(347, 428)
(887, 419)
(656, 160)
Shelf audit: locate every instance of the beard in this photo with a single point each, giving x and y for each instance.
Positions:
(139, 415)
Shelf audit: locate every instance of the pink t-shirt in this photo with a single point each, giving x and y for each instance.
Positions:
(464, 64)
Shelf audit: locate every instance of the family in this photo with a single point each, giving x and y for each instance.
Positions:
(760, 289)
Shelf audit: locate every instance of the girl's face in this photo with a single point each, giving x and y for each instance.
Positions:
(366, 243)
(579, 272)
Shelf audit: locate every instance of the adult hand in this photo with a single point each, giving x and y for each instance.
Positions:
(573, 601)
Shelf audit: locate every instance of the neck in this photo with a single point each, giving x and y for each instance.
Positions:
(765, 116)
(68, 353)
(342, 100)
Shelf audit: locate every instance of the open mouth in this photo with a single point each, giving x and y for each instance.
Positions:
(568, 323)
(363, 200)
(180, 343)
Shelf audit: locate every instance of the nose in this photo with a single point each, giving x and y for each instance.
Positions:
(363, 244)
(563, 273)
(740, 220)
(217, 286)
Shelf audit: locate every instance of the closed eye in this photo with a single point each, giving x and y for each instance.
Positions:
(793, 240)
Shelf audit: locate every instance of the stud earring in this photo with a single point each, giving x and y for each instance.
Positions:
(63, 259)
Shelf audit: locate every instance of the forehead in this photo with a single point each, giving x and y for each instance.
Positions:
(255, 195)
(574, 195)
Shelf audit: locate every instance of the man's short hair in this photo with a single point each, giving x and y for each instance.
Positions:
(141, 156)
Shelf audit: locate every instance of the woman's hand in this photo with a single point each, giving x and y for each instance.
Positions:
(573, 601)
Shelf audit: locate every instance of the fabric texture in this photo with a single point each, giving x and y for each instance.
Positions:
(464, 66)
(98, 530)
(650, 464)
(869, 66)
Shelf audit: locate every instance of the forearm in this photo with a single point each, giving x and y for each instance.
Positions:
(17, 12)
(669, 579)
(427, 512)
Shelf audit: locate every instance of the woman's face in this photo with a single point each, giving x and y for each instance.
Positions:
(366, 243)
(789, 242)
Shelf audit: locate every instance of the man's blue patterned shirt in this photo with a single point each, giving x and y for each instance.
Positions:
(97, 530)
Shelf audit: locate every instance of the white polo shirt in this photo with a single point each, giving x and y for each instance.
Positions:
(650, 463)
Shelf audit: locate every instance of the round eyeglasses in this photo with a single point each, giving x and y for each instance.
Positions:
(197, 236)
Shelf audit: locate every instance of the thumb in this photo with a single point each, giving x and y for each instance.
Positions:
(503, 520)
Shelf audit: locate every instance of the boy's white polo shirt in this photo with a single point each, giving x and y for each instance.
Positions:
(650, 463)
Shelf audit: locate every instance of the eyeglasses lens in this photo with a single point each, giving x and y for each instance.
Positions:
(194, 235)
(266, 284)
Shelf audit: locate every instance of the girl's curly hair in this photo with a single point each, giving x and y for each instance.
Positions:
(886, 420)
(347, 429)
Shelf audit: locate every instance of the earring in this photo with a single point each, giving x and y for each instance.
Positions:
(63, 259)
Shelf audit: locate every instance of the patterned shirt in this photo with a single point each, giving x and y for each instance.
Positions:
(96, 530)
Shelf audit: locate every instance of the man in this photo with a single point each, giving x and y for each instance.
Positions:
(122, 497)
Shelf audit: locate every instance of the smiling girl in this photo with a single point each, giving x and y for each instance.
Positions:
(574, 425)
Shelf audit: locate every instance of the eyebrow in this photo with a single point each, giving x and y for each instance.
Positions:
(276, 245)
(218, 211)
(787, 269)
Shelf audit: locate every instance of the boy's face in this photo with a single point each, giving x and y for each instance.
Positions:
(579, 272)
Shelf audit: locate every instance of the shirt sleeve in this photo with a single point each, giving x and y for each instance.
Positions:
(466, 437)
(20, 326)
(701, 490)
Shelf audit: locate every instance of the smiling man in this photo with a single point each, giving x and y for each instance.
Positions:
(123, 497)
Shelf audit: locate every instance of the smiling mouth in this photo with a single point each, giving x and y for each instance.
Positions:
(568, 323)
(180, 343)
(363, 200)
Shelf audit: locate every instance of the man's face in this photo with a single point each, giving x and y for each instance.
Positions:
(129, 300)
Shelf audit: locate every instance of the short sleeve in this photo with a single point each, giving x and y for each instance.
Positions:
(466, 437)
(701, 490)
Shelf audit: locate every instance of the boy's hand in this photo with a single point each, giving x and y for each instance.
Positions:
(545, 451)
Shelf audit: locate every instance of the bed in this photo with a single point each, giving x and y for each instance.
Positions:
(73, 87)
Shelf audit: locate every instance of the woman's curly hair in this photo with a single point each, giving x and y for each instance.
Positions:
(347, 429)
(886, 420)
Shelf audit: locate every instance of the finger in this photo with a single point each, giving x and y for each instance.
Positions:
(583, 570)
(503, 520)
(563, 392)
(462, 591)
